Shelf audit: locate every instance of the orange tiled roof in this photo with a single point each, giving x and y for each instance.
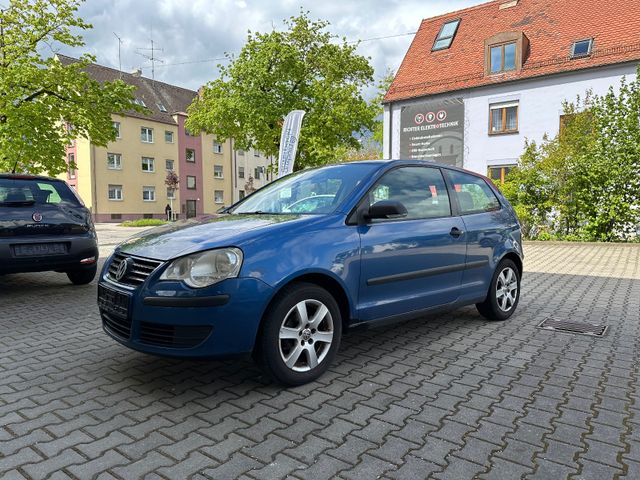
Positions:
(551, 27)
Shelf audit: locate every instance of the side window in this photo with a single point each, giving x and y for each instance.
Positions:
(473, 193)
(421, 190)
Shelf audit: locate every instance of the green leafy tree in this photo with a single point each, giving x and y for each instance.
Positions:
(584, 184)
(303, 67)
(39, 95)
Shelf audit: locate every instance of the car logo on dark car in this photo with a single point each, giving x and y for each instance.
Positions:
(123, 268)
(37, 217)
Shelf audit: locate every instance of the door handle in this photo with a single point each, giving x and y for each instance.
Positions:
(455, 232)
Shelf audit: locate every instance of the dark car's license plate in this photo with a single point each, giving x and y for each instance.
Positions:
(113, 302)
(40, 249)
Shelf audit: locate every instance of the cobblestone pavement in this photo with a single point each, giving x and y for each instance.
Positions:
(448, 396)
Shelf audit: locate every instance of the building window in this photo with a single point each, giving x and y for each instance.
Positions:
(114, 161)
(116, 127)
(446, 35)
(148, 164)
(217, 171)
(168, 164)
(115, 192)
(241, 194)
(116, 216)
(498, 173)
(256, 153)
(139, 101)
(171, 193)
(146, 135)
(149, 194)
(71, 160)
(240, 152)
(191, 182)
(218, 196)
(191, 155)
(503, 118)
(256, 173)
(161, 107)
(217, 147)
(582, 48)
(502, 57)
(168, 136)
(240, 172)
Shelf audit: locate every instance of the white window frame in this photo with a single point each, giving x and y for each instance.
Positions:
(173, 165)
(151, 163)
(241, 172)
(116, 127)
(149, 189)
(165, 136)
(116, 189)
(186, 155)
(220, 173)
(116, 165)
(195, 182)
(215, 197)
(146, 134)
(171, 193)
(217, 147)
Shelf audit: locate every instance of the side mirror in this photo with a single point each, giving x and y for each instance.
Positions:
(386, 209)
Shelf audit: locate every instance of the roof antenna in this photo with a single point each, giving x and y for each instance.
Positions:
(15, 165)
(119, 57)
(152, 57)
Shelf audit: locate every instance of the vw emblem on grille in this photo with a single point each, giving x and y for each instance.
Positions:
(123, 268)
(37, 217)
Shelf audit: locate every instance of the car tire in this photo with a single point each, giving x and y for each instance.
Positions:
(82, 277)
(300, 335)
(504, 292)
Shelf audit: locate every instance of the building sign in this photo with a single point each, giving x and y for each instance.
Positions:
(433, 131)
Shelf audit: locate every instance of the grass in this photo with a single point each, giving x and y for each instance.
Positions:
(143, 222)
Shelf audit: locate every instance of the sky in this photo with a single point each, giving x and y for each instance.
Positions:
(190, 33)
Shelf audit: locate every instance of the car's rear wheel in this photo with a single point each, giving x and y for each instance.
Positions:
(301, 334)
(504, 292)
(83, 276)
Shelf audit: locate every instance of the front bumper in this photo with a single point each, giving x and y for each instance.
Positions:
(79, 248)
(169, 319)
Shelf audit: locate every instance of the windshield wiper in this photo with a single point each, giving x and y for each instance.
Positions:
(19, 203)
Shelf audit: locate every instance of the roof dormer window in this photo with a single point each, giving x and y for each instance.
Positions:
(505, 52)
(582, 48)
(162, 108)
(446, 35)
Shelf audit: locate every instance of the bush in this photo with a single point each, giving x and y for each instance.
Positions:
(143, 222)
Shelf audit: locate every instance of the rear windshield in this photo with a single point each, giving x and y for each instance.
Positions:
(17, 191)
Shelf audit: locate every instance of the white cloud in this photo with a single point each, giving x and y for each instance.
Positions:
(191, 31)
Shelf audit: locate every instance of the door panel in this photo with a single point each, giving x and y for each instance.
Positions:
(413, 263)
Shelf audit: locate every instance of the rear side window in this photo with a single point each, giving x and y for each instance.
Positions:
(473, 193)
(18, 191)
(421, 190)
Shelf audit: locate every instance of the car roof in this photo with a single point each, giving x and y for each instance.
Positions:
(28, 176)
(399, 162)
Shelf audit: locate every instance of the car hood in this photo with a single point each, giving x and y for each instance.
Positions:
(188, 236)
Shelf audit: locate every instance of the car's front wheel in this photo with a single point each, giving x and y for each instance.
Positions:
(301, 334)
(504, 292)
(83, 276)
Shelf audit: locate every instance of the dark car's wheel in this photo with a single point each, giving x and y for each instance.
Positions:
(301, 334)
(504, 292)
(82, 277)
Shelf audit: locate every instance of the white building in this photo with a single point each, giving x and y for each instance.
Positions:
(477, 82)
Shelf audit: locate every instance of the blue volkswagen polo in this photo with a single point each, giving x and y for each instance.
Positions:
(364, 243)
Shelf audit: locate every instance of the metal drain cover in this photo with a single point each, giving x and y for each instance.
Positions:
(571, 326)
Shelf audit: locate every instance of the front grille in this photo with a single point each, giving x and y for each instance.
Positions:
(137, 274)
(173, 336)
(119, 326)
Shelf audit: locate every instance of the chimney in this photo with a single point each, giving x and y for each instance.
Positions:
(137, 72)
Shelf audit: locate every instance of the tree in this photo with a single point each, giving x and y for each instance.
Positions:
(303, 67)
(171, 181)
(40, 94)
(584, 183)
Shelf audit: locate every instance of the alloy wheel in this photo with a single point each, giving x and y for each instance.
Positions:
(507, 289)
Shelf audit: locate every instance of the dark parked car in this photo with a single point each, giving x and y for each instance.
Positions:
(397, 240)
(45, 226)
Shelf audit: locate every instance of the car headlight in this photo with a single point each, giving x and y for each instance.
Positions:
(203, 269)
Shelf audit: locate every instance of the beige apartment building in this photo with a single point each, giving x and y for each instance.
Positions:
(126, 179)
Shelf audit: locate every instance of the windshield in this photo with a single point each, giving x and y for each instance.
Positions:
(316, 191)
(19, 191)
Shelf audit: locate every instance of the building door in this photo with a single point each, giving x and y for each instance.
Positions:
(191, 208)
